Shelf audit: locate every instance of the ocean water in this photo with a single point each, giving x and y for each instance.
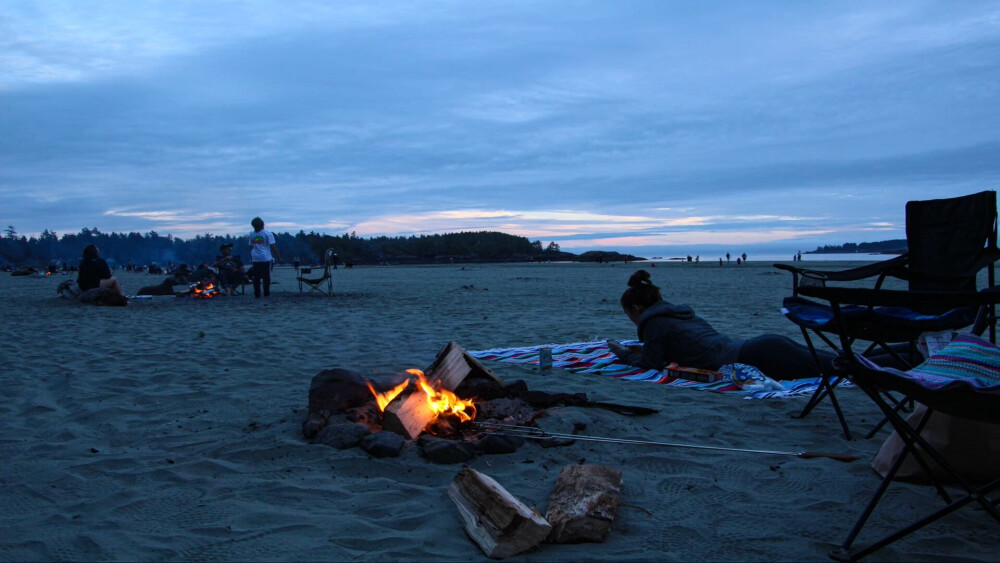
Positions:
(772, 257)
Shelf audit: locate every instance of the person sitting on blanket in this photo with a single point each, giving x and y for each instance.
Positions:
(674, 333)
(94, 272)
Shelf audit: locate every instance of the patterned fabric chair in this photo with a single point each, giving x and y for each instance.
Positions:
(961, 380)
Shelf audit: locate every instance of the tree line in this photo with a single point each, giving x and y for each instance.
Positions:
(143, 249)
(895, 246)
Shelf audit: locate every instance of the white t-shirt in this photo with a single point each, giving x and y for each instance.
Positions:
(260, 246)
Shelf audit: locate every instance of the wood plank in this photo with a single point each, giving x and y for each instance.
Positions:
(409, 414)
(584, 503)
(499, 523)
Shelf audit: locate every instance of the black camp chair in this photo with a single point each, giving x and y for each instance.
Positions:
(316, 283)
(962, 380)
(949, 241)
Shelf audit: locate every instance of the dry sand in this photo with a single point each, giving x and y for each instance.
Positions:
(170, 429)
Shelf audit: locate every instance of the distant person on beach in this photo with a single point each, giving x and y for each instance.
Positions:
(202, 274)
(181, 276)
(94, 272)
(230, 269)
(674, 333)
(263, 253)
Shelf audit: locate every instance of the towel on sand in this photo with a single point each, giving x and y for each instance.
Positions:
(596, 357)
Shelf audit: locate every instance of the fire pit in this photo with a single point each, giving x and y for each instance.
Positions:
(448, 411)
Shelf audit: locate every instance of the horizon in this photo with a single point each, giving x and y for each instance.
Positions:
(709, 253)
(643, 128)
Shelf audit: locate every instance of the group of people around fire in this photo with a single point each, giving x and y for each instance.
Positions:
(227, 271)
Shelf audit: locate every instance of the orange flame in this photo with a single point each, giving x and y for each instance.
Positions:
(383, 399)
(205, 290)
(445, 402)
(441, 402)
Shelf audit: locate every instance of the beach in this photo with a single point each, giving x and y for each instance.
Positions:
(170, 429)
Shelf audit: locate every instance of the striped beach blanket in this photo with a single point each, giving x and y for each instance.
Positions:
(967, 361)
(595, 357)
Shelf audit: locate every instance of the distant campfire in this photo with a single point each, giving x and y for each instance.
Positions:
(203, 290)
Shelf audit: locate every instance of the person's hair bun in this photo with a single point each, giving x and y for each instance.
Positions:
(639, 278)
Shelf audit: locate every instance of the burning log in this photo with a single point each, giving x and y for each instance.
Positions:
(496, 520)
(584, 503)
(410, 414)
(203, 290)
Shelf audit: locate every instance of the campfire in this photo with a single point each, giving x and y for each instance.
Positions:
(441, 410)
(203, 290)
(451, 410)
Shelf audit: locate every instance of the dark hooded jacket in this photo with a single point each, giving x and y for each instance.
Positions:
(673, 333)
(91, 272)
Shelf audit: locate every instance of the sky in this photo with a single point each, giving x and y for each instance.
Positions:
(640, 126)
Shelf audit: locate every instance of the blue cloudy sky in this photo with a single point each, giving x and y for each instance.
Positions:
(649, 126)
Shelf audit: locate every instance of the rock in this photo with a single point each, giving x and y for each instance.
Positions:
(314, 424)
(494, 444)
(482, 388)
(439, 450)
(333, 391)
(584, 504)
(383, 444)
(508, 410)
(341, 435)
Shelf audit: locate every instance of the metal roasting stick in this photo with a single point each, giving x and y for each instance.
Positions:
(539, 434)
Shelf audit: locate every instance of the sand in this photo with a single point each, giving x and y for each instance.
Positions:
(170, 429)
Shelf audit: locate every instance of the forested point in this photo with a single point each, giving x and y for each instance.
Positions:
(897, 246)
(138, 249)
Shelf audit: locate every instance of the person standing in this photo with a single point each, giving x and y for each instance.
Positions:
(263, 253)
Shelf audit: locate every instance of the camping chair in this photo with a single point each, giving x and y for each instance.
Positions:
(961, 380)
(949, 241)
(242, 281)
(316, 284)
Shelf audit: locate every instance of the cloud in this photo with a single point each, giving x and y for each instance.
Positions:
(583, 122)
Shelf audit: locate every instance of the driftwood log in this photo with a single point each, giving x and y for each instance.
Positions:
(497, 521)
(584, 503)
(409, 414)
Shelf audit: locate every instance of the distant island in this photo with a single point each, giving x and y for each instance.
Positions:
(897, 246)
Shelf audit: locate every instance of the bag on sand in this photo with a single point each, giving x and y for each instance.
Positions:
(973, 448)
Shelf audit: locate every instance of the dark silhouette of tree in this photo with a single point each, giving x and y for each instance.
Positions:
(143, 249)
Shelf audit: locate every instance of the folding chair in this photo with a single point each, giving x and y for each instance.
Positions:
(961, 380)
(949, 241)
(242, 280)
(316, 284)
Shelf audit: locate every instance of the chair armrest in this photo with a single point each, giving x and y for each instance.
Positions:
(861, 272)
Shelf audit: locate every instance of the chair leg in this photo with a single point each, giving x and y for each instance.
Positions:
(825, 389)
(904, 404)
(911, 438)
